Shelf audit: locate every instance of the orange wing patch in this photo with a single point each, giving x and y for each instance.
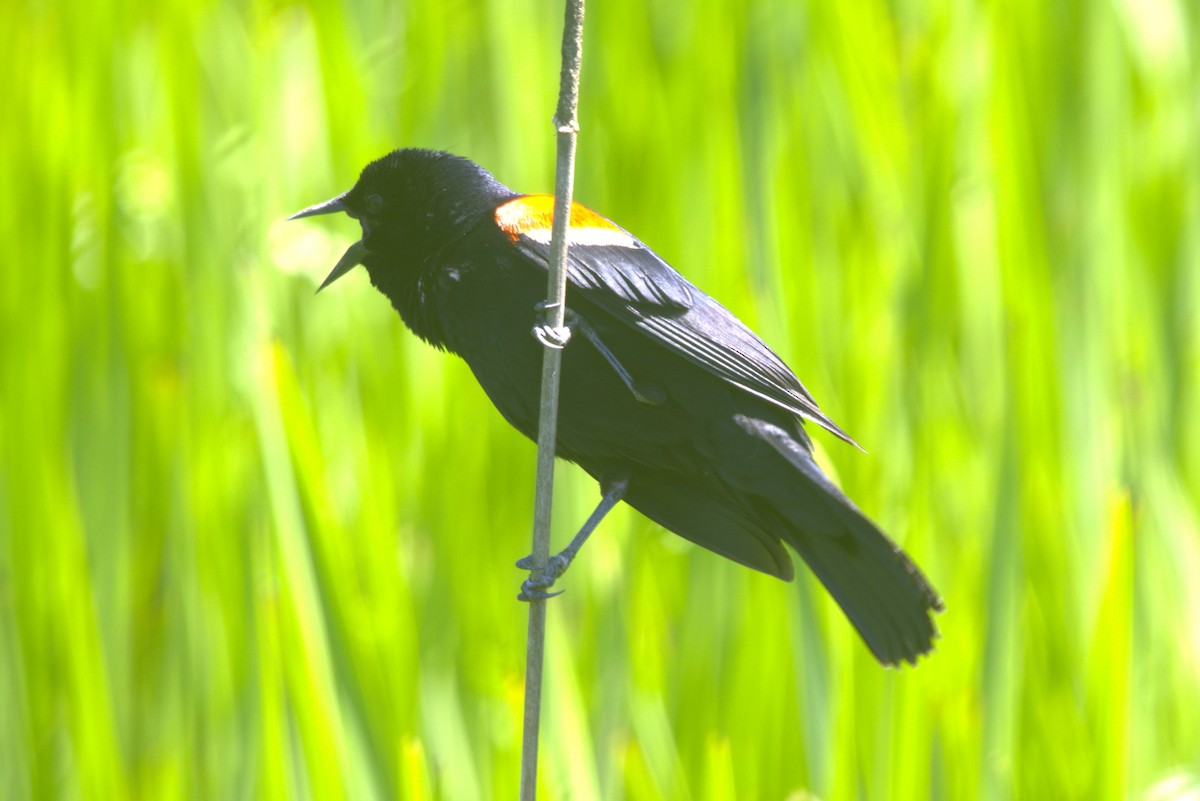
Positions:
(532, 215)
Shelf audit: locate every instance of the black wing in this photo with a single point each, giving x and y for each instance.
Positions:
(648, 284)
(629, 281)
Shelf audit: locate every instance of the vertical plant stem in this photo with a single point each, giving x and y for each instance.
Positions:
(566, 126)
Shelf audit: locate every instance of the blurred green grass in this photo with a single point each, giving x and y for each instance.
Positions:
(256, 543)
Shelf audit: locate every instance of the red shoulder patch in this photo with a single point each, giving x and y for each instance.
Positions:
(532, 215)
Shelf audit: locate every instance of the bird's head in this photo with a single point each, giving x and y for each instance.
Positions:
(410, 203)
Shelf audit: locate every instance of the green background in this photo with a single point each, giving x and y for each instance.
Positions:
(259, 543)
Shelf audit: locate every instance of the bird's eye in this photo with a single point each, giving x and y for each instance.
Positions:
(374, 204)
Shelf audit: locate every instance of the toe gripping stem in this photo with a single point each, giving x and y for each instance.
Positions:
(550, 336)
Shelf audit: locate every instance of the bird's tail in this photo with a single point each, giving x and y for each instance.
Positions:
(880, 589)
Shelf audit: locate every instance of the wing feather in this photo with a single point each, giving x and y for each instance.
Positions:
(623, 277)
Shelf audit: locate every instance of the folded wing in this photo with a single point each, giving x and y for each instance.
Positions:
(614, 271)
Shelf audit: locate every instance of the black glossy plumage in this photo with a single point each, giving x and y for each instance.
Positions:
(722, 460)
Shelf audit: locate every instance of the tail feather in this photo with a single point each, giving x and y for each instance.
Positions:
(881, 590)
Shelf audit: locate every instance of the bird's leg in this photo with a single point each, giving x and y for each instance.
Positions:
(650, 393)
(534, 588)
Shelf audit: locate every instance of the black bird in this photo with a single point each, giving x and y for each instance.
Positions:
(667, 399)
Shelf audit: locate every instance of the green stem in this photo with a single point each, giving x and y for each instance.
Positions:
(566, 126)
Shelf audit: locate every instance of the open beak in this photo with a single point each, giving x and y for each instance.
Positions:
(353, 256)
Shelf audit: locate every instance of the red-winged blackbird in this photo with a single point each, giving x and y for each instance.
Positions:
(667, 399)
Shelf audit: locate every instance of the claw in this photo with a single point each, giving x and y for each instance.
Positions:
(550, 336)
(534, 588)
(528, 594)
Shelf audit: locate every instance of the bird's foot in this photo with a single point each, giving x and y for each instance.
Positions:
(535, 587)
(550, 336)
